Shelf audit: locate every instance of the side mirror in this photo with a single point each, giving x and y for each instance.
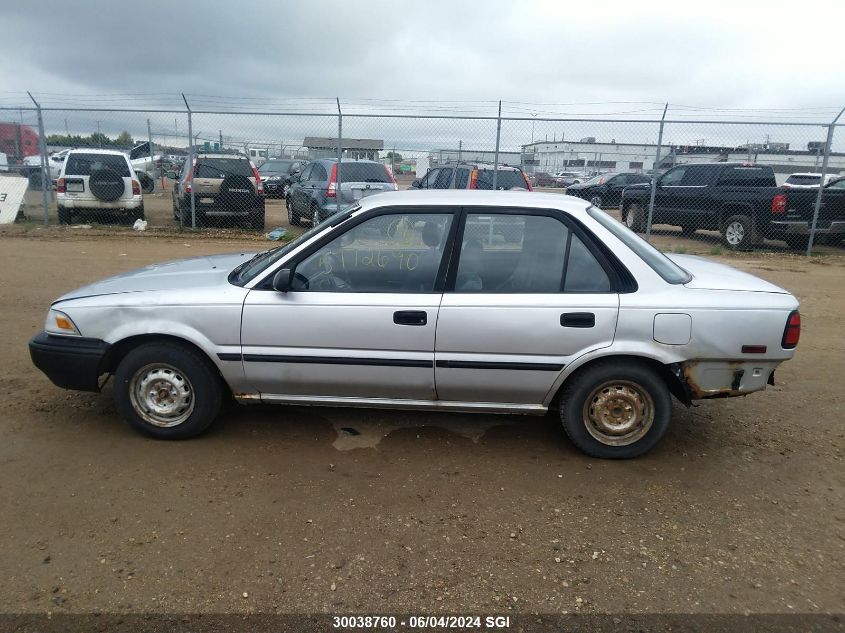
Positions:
(416, 184)
(282, 280)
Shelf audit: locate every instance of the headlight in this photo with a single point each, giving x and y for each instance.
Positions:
(60, 323)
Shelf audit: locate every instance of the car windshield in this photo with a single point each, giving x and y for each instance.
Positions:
(363, 172)
(80, 164)
(275, 167)
(662, 265)
(250, 269)
(598, 180)
(803, 180)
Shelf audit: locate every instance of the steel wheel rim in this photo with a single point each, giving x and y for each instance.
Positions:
(596, 201)
(734, 233)
(161, 395)
(618, 413)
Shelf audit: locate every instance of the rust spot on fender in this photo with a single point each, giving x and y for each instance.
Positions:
(697, 392)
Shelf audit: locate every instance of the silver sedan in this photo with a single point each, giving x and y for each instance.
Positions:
(455, 300)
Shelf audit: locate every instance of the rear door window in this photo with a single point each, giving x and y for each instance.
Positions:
(444, 179)
(698, 176)
(319, 173)
(83, 164)
(747, 177)
(461, 178)
(222, 167)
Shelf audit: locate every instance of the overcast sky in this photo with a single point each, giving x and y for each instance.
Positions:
(537, 56)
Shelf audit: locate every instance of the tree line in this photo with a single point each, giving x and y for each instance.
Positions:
(123, 140)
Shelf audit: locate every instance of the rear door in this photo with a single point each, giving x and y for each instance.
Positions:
(300, 195)
(526, 297)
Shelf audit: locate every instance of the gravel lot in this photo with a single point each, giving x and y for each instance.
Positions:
(740, 509)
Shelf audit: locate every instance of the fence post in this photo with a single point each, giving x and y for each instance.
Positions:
(46, 177)
(817, 206)
(498, 139)
(190, 166)
(339, 152)
(654, 174)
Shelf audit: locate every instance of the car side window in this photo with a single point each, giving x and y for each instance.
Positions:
(673, 177)
(583, 272)
(318, 173)
(697, 176)
(504, 253)
(461, 178)
(306, 174)
(444, 178)
(429, 179)
(837, 184)
(398, 252)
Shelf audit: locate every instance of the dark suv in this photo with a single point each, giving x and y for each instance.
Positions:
(314, 194)
(277, 174)
(224, 186)
(464, 175)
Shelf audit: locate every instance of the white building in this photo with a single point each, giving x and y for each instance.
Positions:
(591, 156)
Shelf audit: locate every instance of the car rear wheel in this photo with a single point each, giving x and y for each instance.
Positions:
(167, 391)
(634, 217)
(738, 233)
(616, 410)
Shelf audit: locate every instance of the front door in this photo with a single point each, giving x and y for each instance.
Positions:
(359, 321)
(513, 315)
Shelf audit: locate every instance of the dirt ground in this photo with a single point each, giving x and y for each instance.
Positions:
(279, 509)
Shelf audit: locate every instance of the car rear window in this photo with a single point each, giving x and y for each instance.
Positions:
(506, 179)
(222, 167)
(657, 261)
(803, 180)
(86, 164)
(275, 167)
(364, 172)
(748, 177)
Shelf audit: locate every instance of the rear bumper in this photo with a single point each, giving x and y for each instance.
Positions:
(93, 204)
(69, 362)
(790, 227)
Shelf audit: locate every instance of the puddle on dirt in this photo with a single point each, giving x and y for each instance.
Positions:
(368, 432)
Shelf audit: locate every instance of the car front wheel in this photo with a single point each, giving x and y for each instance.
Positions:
(168, 391)
(634, 217)
(616, 410)
(596, 201)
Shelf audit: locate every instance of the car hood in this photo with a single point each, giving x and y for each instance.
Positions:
(710, 275)
(578, 186)
(197, 272)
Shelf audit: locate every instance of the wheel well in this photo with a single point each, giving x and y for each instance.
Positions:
(735, 209)
(665, 372)
(120, 349)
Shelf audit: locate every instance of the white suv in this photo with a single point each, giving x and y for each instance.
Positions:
(98, 180)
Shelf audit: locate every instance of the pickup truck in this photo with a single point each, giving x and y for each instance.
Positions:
(736, 199)
(792, 215)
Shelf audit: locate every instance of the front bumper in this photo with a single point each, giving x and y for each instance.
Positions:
(789, 227)
(70, 362)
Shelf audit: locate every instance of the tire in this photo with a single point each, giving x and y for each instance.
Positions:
(596, 201)
(293, 218)
(797, 242)
(738, 233)
(65, 215)
(634, 217)
(256, 221)
(315, 215)
(106, 185)
(590, 401)
(138, 214)
(172, 369)
(148, 185)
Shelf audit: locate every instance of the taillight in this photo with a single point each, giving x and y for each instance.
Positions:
(527, 182)
(331, 190)
(792, 331)
(779, 203)
(190, 177)
(258, 186)
(136, 188)
(473, 179)
(60, 186)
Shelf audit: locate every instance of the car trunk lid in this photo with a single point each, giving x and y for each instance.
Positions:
(710, 275)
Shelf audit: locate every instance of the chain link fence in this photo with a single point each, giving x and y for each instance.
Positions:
(731, 184)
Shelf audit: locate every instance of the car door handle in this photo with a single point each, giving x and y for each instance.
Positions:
(410, 317)
(578, 319)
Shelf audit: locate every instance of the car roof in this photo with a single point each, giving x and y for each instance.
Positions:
(475, 163)
(347, 160)
(107, 152)
(474, 197)
(219, 155)
(807, 174)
